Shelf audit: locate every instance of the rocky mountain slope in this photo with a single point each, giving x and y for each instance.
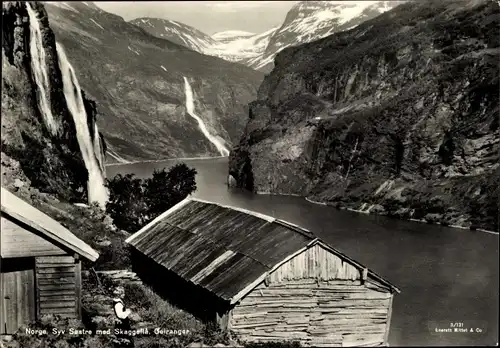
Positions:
(243, 49)
(233, 46)
(397, 116)
(46, 169)
(176, 32)
(137, 82)
(31, 152)
(305, 22)
(312, 20)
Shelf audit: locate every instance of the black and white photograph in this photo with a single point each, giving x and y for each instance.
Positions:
(250, 174)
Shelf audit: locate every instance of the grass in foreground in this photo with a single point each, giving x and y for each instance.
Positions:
(148, 311)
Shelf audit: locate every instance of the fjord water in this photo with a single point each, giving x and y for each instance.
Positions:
(92, 153)
(445, 275)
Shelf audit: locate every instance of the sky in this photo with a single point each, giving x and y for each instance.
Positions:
(208, 16)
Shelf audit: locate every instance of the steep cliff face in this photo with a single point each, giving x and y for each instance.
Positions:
(398, 116)
(50, 162)
(137, 81)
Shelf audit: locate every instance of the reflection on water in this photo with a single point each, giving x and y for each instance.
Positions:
(444, 274)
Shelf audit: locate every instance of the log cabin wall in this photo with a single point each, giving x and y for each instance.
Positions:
(58, 283)
(17, 293)
(315, 298)
(41, 268)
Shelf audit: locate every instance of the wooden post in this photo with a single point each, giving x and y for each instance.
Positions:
(364, 275)
(388, 325)
(78, 288)
(229, 324)
(229, 318)
(3, 313)
(37, 291)
(97, 277)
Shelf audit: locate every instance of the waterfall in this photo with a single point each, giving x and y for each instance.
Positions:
(98, 150)
(39, 68)
(91, 152)
(190, 110)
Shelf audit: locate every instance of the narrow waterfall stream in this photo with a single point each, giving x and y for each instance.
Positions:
(190, 110)
(92, 152)
(98, 150)
(39, 68)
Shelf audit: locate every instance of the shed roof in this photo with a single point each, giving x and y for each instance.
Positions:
(226, 250)
(20, 211)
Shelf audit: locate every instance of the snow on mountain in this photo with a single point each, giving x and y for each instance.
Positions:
(240, 47)
(231, 45)
(312, 20)
(136, 80)
(305, 22)
(177, 32)
(62, 4)
(70, 5)
(231, 35)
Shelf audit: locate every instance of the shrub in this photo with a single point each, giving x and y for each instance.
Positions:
(134, 202)
(212, 334)
(165, 189)
(88, 225)
(126, 203)
(136, 294)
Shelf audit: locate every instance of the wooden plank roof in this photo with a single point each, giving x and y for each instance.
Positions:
(226, 250)
(21, 212)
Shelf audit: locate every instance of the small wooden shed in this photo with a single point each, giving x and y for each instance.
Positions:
(40, 265)
(261, 278)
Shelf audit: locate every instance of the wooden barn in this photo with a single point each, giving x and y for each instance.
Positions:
(40, 265)
(261, 278)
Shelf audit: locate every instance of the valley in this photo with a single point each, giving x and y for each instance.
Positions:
(138, 82)
(305, 22)
(133, 93)
(370, 126)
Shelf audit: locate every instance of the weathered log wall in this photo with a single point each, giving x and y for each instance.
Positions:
(317, 299)
(51, 285)
(315, 263)
(58, 284)
(17, 293)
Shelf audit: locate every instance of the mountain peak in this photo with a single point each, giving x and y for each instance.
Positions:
(174, 31)
(137, 81)
(305, 22)
(390, 96)
(312, 20)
